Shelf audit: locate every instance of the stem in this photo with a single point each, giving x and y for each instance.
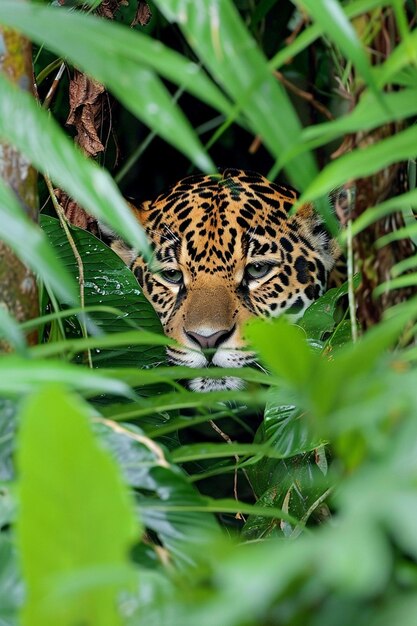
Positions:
(64, 223)
(351, 289)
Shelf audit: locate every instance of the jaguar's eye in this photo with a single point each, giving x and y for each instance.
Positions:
(172, 276)
(253, 271)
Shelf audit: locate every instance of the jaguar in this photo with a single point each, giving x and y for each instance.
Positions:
(226, 248)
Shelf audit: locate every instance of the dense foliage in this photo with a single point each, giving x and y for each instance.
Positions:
(124, 498)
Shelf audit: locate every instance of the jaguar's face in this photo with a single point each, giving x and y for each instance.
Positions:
(226, 250)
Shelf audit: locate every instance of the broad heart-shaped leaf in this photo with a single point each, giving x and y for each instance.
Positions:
(108, 282)
(218, 35)
(45, 145)
(76, 521)
(125, 62)
(32, 247)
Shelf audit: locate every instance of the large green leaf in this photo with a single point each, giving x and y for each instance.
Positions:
(121, 59)
(76, 521)
(287, 429)
(42, 141)
(319, 318)
(108, 281)
(32, 247)
(218, 35)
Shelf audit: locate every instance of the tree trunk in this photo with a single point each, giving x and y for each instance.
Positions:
(375, 263)
(18, 289)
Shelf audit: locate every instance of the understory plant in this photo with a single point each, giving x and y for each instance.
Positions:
(124, 498)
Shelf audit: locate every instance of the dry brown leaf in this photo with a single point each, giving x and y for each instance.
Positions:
(75, 214)
(86, 106)
(108, 8)
(143, 14)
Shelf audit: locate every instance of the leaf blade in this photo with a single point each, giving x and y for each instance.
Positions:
(42, 141)
(85, 524)
(31, 246)
(125, 61)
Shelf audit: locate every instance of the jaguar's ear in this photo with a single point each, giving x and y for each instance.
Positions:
(125, 252)
(316, 232)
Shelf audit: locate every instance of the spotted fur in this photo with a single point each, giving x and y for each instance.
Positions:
(225, 250)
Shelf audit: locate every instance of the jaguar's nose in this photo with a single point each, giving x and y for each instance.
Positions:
(213, 340)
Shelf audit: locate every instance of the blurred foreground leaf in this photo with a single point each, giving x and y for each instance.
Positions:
(76, 521)
(31, 245)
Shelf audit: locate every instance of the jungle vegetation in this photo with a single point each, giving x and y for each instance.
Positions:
(125, 499)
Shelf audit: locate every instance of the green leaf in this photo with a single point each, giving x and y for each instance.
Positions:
(11, 332)
(195, 451)
(20, 376)
(218, 35)
(403, 55)
(293, 485)
(125, 62)
(362, 162)
(283, 348)
(42, 141)
(334, 22)
(310, 34)
(31, 246)
(74, 545)
(160, 486)
(109, 282)
(11, 586)
(369, 113)
(287, 429)
(114, 340)
(318, 320)
(335, 382)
